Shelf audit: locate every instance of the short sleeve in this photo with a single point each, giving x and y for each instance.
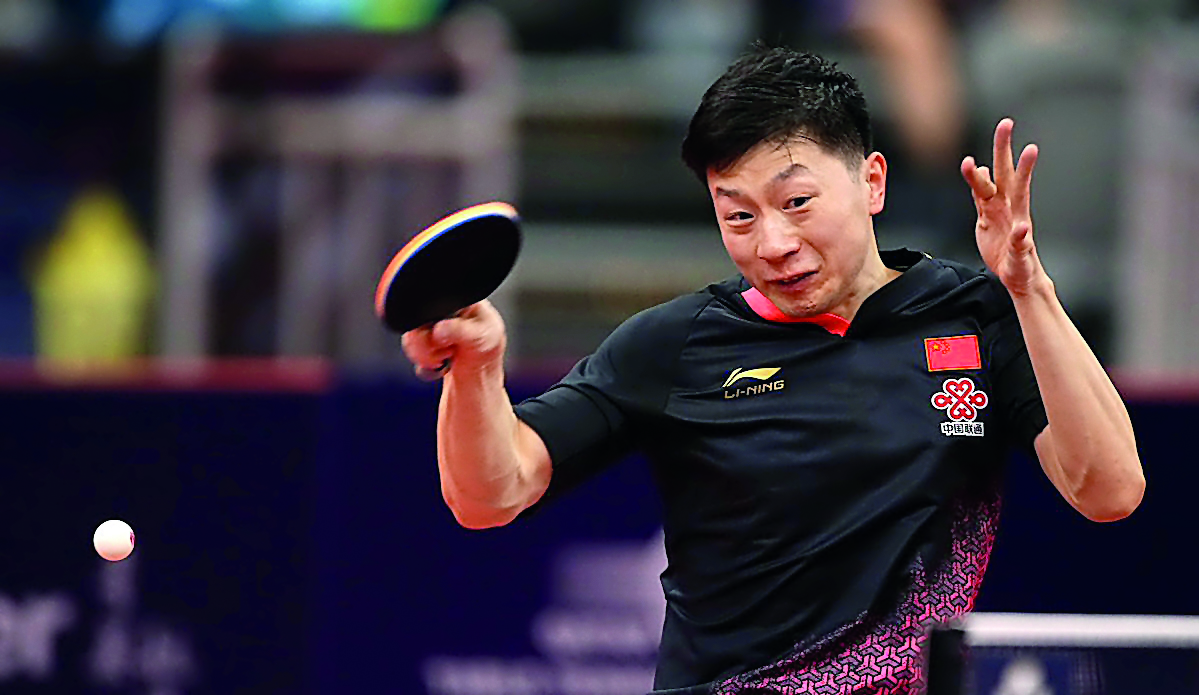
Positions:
(592, 417)
(1017, 395)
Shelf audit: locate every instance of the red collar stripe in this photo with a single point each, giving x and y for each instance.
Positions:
(766, 309)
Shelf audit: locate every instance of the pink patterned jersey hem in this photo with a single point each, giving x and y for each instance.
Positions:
(882, 655)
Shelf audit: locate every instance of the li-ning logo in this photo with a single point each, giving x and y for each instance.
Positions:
(961, 402)
(760, 380)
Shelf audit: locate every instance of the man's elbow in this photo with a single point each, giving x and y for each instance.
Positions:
(478, 517)
(476, 520)
(1118, 504)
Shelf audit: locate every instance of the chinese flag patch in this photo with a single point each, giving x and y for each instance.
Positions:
(954, 352)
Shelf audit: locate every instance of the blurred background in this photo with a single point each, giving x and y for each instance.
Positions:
(198, 196)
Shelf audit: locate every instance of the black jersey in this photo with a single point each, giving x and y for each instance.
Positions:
(828, 487)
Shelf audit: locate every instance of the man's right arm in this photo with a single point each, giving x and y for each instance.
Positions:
(492, 465)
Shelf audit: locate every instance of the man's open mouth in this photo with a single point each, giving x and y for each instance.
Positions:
(793, 280)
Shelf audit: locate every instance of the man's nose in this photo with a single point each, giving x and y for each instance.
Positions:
(776, 239)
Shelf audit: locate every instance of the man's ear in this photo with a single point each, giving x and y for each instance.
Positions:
(875, 171)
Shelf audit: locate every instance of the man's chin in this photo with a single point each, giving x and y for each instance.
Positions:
(794, 307)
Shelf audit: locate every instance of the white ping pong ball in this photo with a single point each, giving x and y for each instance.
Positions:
(113, 540)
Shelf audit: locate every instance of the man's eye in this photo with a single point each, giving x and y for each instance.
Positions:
(799, 201)
(739, 216)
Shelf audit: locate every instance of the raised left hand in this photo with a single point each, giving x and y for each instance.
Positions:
(1004, 227)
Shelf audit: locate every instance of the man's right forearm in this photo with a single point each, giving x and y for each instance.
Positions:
(492, 466)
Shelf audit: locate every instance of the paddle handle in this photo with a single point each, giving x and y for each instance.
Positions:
(433, 374)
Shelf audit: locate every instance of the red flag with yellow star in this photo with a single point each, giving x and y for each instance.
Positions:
(953, 352)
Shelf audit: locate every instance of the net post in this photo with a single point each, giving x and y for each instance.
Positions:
(945, 650)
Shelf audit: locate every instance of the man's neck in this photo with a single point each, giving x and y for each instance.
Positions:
(874, 275)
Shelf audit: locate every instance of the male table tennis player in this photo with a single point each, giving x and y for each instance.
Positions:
(828, 428)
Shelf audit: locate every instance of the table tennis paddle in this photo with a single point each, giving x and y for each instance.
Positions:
(458, 261)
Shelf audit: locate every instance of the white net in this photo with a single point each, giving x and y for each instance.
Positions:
(1053, 654)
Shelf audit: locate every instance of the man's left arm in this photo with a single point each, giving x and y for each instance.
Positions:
(1088, 450)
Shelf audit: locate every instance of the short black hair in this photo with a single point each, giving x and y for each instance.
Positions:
(772, 95)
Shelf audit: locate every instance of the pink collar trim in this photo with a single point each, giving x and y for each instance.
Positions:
(766, 309)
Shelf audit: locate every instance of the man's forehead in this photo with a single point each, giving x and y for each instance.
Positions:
(786, 172)
(778, 162)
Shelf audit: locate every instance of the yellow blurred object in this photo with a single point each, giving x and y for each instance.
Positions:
(92, 287)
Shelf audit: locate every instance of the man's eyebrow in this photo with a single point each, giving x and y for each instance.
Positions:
(783, 175)
(790, 171)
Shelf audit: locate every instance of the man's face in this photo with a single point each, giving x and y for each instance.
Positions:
(796, 220)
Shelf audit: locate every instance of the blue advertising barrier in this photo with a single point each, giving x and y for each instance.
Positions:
(294, 540)
(217, 487)
(413, 601)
